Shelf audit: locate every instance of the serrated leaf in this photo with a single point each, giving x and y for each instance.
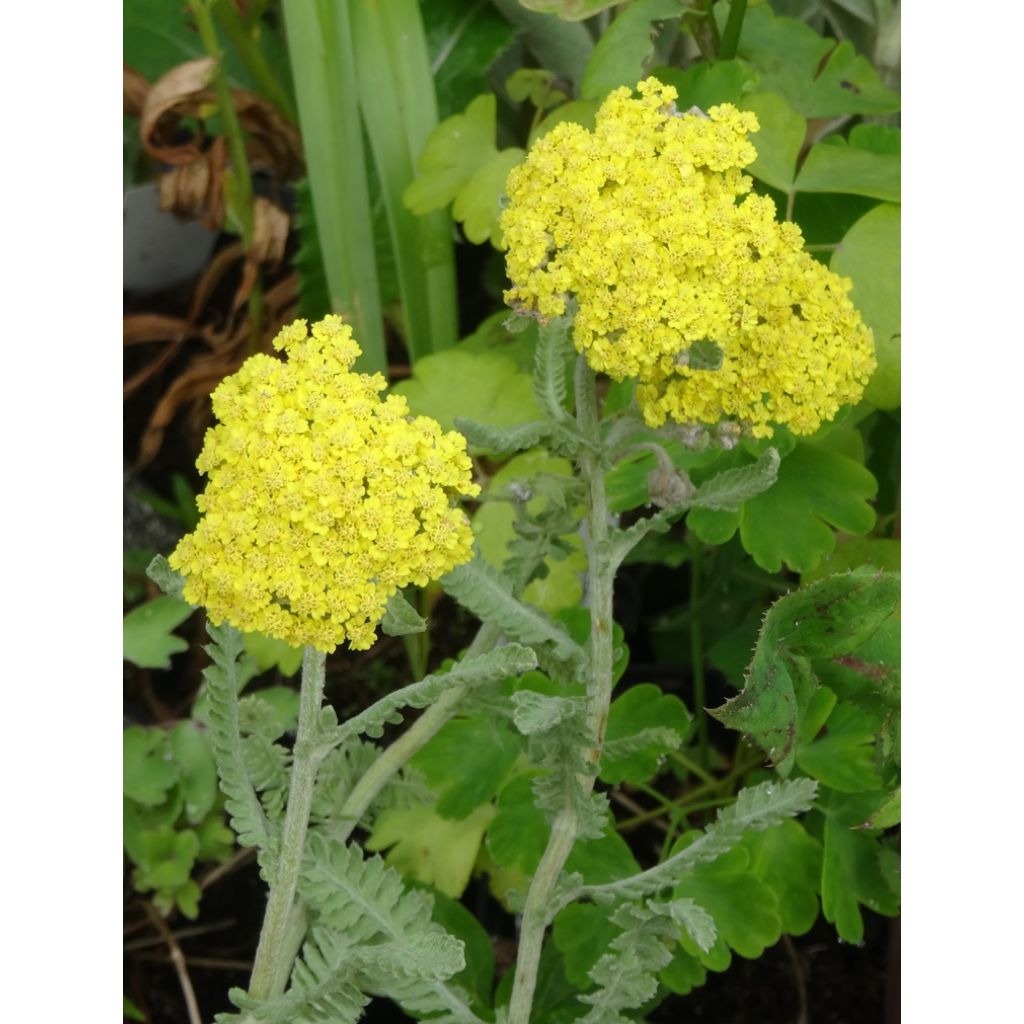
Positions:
(624, 51)
(194, 758)
(888, 814)
(149, 769)
(271, 653)
(483, 747)
(870, 256)
(435, 850)
(582, 933)
(501, 440)
(148, 638)
(400, 618)
(684, 973)
(170, 582)
(779, 140)
(640, 711)
(827, 619)
(851, 871)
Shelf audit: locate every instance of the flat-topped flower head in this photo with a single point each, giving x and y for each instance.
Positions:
(649, 224)
(323, 498)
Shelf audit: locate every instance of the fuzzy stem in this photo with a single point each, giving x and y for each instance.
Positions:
(565, 827)
(269, 974)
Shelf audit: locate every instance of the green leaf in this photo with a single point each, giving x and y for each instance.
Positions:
(706, 85)
(582, 933)
(790, 521)
(728, 490)
(882, 553)
(502, 440)
(827, 619)
(194, 758)
(870, 256)
(642, 712)
(434, 850)
(464, 39)
(788, 861)
(789, 54)
(271, 653)
(839, 167)
(843, 758)
(888, 814)
(481, 386)
(779, 140)
(400, 618)
(581, 112)
(131, 1011)
(478, 974)
(148, 638)
(149, 768)
(559, 45)
(684, 974)
(623, 53)
(851, 871)
(170, 582)
(744, 909)
(282, 703)
(483, 748)
(535, 84)
(453, 153)
(478, 205)
(166, 858)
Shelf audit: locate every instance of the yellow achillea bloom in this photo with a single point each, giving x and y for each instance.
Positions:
(323, 499)
(650, 225)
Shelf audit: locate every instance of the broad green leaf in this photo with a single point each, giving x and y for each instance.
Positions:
(788, 861)
(870, 256)
(570, 10)
(483, 748)
(790, 522)
(888, 814)
(131, 1011)
(581, 112)
(269, 652)
(464, 38)
(828, 619)
(641, 711)
(744, 909)
(283, 703)
(148, 638)
(706, 85)
(216, 840)
(684, 974)
(477, 207)
(186, 899)
(789, 54)
(876, 138)
(779, 140)
(622, 54)
(727, 490)
(582, 932)
(166, 858)
(149, 768)
(843, 758)
(519, 832)
(839, 167)
(537, 85)
(481, 386)
(400, 618)
(453, 153)
(434, 850)
(194, 758)
(852, 866)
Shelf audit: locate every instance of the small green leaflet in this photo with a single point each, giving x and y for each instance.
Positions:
(148, 638)
(400, 618)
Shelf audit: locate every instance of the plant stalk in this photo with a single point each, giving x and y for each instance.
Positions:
(565, 827)
(700, 697)
(269, 973)
(731, 33)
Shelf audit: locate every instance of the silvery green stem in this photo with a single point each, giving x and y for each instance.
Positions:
(537, 912)
(270, 972)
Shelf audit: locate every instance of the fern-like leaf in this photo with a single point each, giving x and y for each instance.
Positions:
(481, 589)
(247, 815)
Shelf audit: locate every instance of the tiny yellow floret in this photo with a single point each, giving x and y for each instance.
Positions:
(322, 499)
(649, 229)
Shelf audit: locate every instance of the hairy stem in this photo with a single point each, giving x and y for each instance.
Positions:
(564, 829)
(269, 973)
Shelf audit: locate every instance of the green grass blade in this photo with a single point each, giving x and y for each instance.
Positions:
(396, 96)
(323, 69)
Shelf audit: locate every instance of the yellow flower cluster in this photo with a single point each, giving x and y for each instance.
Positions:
(649, 224)
(323, 499)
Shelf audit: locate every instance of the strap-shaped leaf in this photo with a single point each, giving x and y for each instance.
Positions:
(481, 589)
(536, 713)
(549, 367)
(170, 582)
(726, 491)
